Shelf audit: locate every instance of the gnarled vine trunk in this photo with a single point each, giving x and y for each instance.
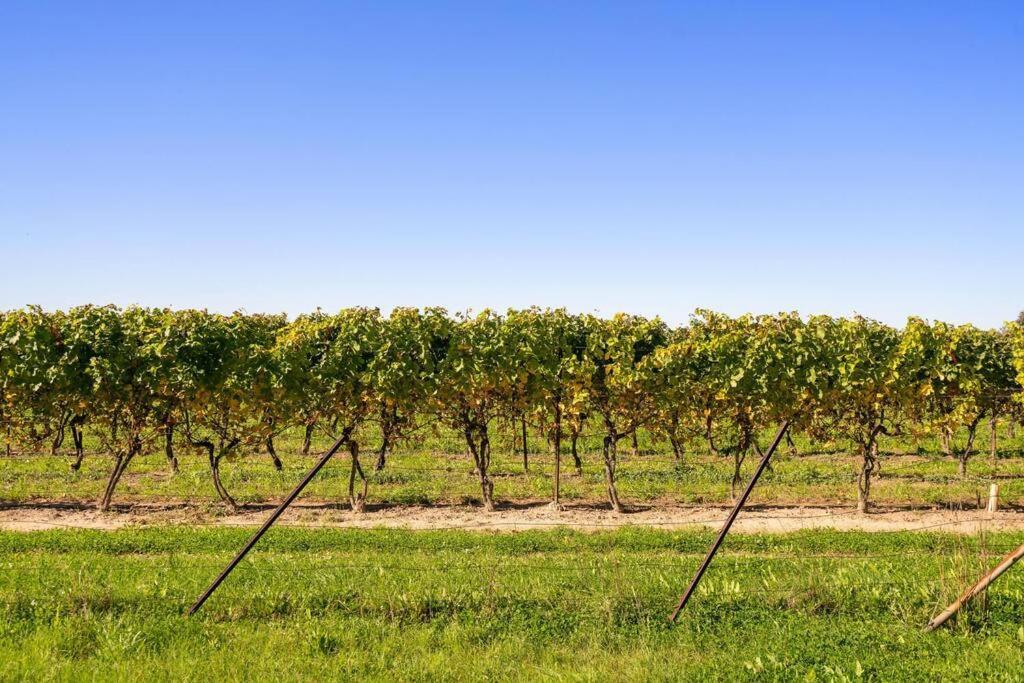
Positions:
(307, 439)
(272, 452)
(172, 459)
(218, 484)
(357, 501)
(868, 465)
(214, 454)
(946, 439)
(121, 461)
(790, 444)
(79, 440)
(58, 439)
(382, 455)
(738, 451)
(389, 431)
(480, 448)
(677, 448)
(738, 457)
(574, 451)
(271, 422)
(610, 463)
(968, 450)
(869, 459)
(673, 439)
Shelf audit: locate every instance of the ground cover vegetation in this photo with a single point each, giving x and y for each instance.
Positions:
(448, 605)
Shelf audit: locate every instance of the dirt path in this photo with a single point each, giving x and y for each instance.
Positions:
(759, 519)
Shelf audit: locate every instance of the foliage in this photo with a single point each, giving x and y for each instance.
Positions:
(404, 370)
(326, 363)
(866, 390)
(224, 377)
(617, 356)
(957, 376)
(122, 371)
(477, 379)
(1016, 336)
(235, 382)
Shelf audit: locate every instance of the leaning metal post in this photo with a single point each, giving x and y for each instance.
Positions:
(273, 518)
(729, 520)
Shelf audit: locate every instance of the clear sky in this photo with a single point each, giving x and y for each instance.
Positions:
(654, 158)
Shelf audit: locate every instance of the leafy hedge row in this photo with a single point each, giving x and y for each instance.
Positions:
(138, 375)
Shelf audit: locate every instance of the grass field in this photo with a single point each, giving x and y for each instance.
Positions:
(402, 605)
(393, 604)
(436, 472)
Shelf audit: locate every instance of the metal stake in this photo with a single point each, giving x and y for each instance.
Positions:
(273, 518)
(729, 520)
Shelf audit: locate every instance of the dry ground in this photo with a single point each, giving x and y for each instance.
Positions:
(511, 517)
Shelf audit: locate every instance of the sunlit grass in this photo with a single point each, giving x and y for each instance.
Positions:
(450, 605)
(425, 473)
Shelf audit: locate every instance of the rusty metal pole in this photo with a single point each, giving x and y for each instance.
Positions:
(977, 588)
(270, 521)
(729, 520)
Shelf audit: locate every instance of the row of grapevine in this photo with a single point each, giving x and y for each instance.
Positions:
(139, 376)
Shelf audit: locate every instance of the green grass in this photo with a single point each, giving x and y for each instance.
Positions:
(405, 605)
(435, 471)
(453, 605)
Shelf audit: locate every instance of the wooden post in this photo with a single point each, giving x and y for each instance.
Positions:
(993, 498)
(974, 590)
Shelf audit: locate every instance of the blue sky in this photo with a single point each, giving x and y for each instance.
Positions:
(647, 157)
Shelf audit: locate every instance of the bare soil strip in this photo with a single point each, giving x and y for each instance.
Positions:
(519, 517)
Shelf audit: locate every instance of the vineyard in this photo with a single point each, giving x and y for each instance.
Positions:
(519, 496)
(521, 398)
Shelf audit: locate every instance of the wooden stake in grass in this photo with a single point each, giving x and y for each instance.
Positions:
(976, 589)
(993, 498)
